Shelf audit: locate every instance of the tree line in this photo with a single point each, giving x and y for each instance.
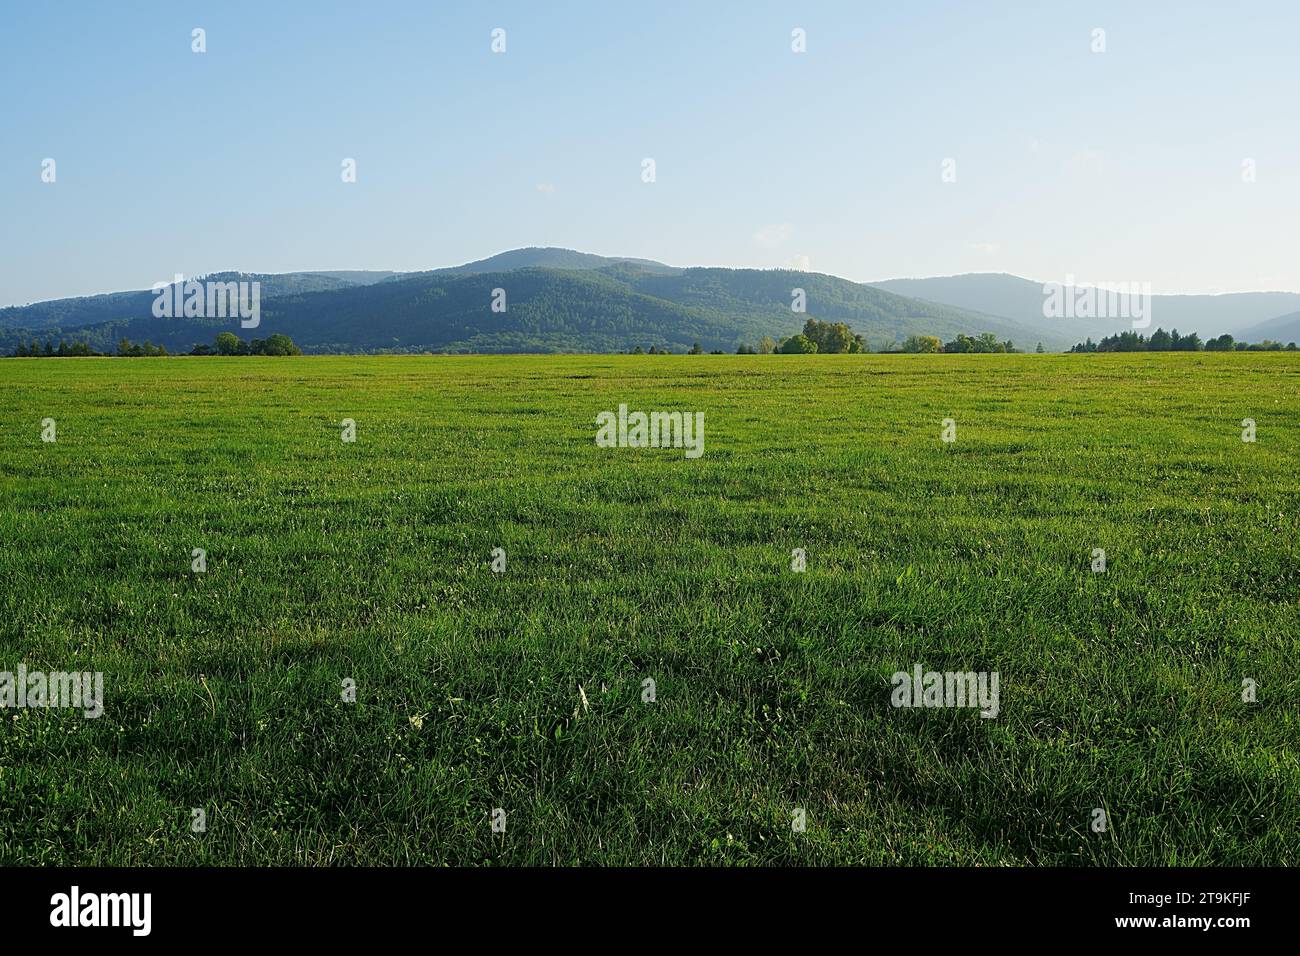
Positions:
(1162, 341)
(985, 342)
(817, 336)
(226, 343)
(836, 338)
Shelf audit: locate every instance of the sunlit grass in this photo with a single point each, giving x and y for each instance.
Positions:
(370, 561)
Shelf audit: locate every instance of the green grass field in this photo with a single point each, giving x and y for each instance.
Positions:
(370, 561)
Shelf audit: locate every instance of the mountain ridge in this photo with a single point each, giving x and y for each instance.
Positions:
(612, 308)
(563, 300)
(1021, 299)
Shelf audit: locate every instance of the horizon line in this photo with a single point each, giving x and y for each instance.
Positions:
(1108, 286)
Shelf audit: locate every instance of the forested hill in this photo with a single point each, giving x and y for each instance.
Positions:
(73, 313)
(615, 307)
(548, 257)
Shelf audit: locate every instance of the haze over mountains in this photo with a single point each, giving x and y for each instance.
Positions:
(560, 300)
(1252, 316)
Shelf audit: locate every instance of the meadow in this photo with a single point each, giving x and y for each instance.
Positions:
(368, 564)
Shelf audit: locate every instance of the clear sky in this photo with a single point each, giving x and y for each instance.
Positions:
(1125, 165)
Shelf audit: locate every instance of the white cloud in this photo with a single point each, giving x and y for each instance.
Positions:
(987, 248)
(547, 189)
(800, 264)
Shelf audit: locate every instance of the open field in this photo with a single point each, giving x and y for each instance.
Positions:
(370, 561)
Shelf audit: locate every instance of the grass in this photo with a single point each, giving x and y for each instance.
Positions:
(371, 561)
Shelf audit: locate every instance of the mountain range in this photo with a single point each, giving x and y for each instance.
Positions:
(1249, 316)
(560, 300)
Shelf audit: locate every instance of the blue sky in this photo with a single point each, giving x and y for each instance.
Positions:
(1119, 166)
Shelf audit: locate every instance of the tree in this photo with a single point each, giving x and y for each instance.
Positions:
(985, 342)
(1123, 342)
(696, 350)
(767, 345)
(798, 345)
(276, 344)
(923, 343)
(830, 337)
(64, 349)
(227, 343)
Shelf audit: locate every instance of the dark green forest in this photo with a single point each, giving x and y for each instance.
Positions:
(611, 309)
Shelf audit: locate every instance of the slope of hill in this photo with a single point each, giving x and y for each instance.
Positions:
(1022, 300)
(354, 276)
(546, 257)
(612, 308)
(1284, 328)
(881, 316)
(121, 306)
